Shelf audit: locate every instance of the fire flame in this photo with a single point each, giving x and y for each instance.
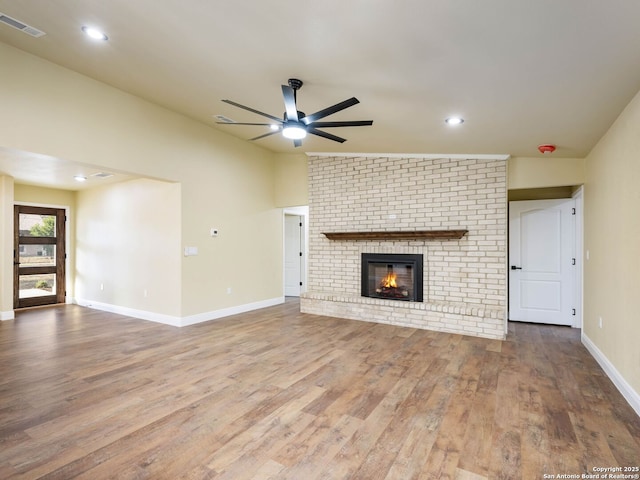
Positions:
(389, 281)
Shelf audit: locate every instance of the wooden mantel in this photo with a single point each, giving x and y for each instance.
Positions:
(398, 235)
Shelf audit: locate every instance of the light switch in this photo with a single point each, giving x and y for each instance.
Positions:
(190, 251)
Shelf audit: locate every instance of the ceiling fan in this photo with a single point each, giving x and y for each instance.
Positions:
(295, 124)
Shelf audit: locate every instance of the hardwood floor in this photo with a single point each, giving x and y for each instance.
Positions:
(276, 394)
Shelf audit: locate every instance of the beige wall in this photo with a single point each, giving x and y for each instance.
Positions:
(128, 253)
(291, 184)
(612, 238)
(544, 171)
(530, 173)
(6, 247)
(225, 182)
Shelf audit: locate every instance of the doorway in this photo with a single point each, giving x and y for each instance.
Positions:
(39, 256)
(543, 261)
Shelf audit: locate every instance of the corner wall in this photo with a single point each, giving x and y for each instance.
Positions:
(6, 247)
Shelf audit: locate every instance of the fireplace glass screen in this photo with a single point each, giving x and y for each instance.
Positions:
(392, 276)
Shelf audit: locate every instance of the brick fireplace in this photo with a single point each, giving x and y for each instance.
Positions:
(463, 276)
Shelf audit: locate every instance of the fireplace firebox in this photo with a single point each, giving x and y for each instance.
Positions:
(392, 276)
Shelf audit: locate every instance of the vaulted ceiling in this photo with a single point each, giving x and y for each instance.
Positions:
(519, 72)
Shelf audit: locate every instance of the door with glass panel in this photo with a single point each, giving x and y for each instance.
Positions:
(39, 256)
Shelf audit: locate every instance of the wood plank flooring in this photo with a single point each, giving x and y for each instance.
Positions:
(276, 394)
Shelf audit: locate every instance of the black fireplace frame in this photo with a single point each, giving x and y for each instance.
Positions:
(416, 260)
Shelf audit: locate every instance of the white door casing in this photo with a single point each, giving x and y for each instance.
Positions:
(542, 261)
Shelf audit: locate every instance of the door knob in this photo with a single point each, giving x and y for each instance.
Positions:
(513, 267)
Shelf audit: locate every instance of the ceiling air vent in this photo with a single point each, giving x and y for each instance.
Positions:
(102, 175)
(12, 22)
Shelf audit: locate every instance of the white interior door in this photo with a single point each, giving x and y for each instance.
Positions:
(542, 263)
(293, 254)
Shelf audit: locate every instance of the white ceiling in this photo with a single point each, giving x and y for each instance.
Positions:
(520, 72)
(45, 171)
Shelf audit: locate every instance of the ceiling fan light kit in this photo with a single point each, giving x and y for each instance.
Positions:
(294, 132)
(294, 124)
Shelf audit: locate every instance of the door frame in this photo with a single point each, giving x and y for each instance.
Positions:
(578, 197)
(302, 211)
(67, 239)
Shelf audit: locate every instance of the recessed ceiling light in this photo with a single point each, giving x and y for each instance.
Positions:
(80, 178)
(95, 33)
(454, 121)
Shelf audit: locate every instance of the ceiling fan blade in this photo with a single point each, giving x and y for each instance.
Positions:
(320, 133)
(297, 143)
(230, 102)
(290, 103)
(355, 123)
(265, 135)
(330, 110)
(243, 123)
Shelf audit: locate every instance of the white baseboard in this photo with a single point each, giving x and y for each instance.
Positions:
(7, 315)
(618, 380)
(180, 321)
(226, 312)
(131, 312)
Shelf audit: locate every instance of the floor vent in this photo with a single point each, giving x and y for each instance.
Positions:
(23, 27)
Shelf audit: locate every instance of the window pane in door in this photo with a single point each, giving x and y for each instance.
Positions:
(37, 256)
(37, 285)
(33, 225)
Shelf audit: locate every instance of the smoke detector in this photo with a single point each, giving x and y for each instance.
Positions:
(546, 149)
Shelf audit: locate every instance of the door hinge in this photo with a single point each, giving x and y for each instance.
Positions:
(300, 224)
(300, 253)
(573, 261)
(573, 312)
(300, 283)
(573, 211)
